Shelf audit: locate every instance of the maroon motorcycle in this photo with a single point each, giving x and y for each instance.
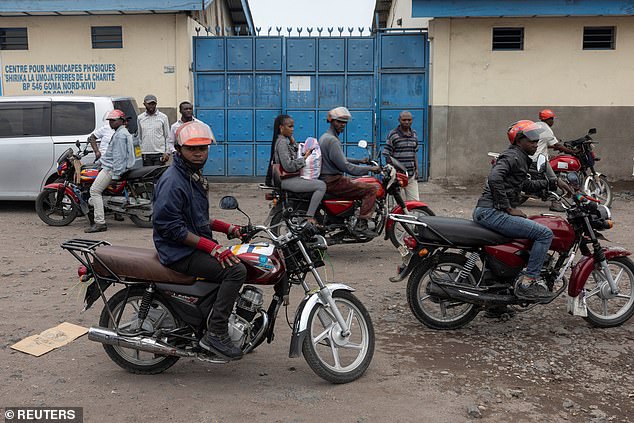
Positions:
(458, 268)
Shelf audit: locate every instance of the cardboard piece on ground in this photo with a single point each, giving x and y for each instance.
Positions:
(50, 339)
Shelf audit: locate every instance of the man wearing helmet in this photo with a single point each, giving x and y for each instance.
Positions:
(117, 159)
(496, 208)
(183, 233)
(334, 164)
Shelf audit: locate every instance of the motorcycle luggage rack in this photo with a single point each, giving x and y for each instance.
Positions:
(83, 250)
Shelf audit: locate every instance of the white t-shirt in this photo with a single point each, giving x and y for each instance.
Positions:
(104, 135)
(548, 139)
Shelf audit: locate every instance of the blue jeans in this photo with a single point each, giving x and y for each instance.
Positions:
(521, 228)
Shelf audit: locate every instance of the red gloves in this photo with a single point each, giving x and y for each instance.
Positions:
(220, 253)
(232, 231)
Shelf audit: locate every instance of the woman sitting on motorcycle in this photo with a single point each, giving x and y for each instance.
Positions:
(284, 153)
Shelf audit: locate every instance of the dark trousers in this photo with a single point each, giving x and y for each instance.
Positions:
(152, 159)
(230, 279)
(342, 186)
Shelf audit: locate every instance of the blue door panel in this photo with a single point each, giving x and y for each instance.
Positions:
(331, 91)
(322, 123)
(215, 165)
(240, 125)
(216, 120)
(361, 54)
(240, 159)
(264, 125)
(210, 90)
(300, 94)
(332, 54)
(268, 54)
(404, 90)
(239, 53)
(263, 153)
(403, 51)
(300, 54)
(268, 91)
(389, 121)
(304, 124)
(360, 91)
(209, 54)
(240, 90)
(353, 151)
(360, 127)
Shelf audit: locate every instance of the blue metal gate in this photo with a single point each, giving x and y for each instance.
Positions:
(242, 83)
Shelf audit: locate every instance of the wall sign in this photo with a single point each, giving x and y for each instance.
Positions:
(57, 78)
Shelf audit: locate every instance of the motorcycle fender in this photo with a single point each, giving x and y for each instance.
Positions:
(398, 210)
(581, 271)
(300, 326)
(69, 191)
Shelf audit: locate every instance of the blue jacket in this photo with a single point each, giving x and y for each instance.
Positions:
(119, 156)
(180, 206)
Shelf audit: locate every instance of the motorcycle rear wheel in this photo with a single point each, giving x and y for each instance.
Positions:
(396, 233)
(332, 357)
(435, 312)
(606, 312)
(50, 214)
(598, 187)
(142, 222)
(159, 316)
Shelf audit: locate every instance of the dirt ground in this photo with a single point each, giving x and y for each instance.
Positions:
(542, 365)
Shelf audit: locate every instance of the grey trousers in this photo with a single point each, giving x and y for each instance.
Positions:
(299, 184)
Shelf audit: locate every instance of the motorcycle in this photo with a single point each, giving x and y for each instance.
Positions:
(62, 201)
(159, 315)
(339, 216)
(458, 268)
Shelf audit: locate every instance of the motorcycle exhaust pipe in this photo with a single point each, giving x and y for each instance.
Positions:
(467, 295)
(141, 343)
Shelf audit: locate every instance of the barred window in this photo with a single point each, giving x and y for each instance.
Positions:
(107, 37)
(508, 39)
(599, 38)
(13, 39)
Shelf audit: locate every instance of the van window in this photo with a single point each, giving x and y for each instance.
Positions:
(129, 108)
(73, 118)
(25, 119)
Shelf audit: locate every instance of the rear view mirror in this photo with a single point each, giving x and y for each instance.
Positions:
(228, 202)
(77, 144)
(592, 131)
(541, 163)
(573, 179)
(363, 144)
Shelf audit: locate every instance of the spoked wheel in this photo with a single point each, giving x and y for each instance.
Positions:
(145, 196)
(435, 312)
(52, 214)
(396, 233)
(337, 358)
(598, 187)
(159, 317)
(605, 309)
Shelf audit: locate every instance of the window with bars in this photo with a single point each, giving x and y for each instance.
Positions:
(599, 38)
(14, 39)
(508, 39)
(107, 37)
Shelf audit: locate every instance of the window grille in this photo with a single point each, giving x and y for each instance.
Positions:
(508, 39)
(107, 37)
(13, 39)
(599, 38)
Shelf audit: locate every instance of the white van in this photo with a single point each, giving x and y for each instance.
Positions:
(35, 130)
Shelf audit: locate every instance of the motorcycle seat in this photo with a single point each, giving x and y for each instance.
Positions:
(459, 232)
(132, 263)
(144, 172)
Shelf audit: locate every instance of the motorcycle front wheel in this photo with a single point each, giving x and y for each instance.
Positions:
(605, 310)
(598, 187)
(51, 214)
(435, 312)
(396, 233)
(331, 356)
(159, 317)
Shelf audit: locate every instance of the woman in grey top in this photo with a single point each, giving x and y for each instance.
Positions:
(285, 153)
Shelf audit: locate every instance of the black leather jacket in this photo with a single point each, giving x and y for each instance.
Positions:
(508, 178)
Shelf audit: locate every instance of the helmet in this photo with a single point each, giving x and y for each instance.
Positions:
(339, 113)
(527, 128)
(194, 133)
(115, 114)
(546, 114)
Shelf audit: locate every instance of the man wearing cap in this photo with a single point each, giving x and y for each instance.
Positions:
(154, 133)
(183, 234)
(334, 164)
(118, 158)
(186, 110)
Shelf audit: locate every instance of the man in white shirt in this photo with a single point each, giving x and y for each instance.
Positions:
(153, 133)
(186, 110)
(103, 135)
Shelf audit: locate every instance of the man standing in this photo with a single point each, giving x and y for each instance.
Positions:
(402, 145)
(334, 164)
(118, 158)
(153, 133)
(186, 110)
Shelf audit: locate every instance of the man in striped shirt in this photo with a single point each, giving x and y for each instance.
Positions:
(402, 144)
(154, 133)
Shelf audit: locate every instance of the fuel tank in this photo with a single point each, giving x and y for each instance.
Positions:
(338, 207)
(565, 163)
(88, 175)
(564, 233)
(380, 193)
(263, 262)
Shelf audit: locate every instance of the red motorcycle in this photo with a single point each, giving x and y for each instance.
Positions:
(338, 216)
(62, 201)
(458, 268)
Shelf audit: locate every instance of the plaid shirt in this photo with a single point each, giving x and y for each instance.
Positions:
(154, 132)
(403, 148)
